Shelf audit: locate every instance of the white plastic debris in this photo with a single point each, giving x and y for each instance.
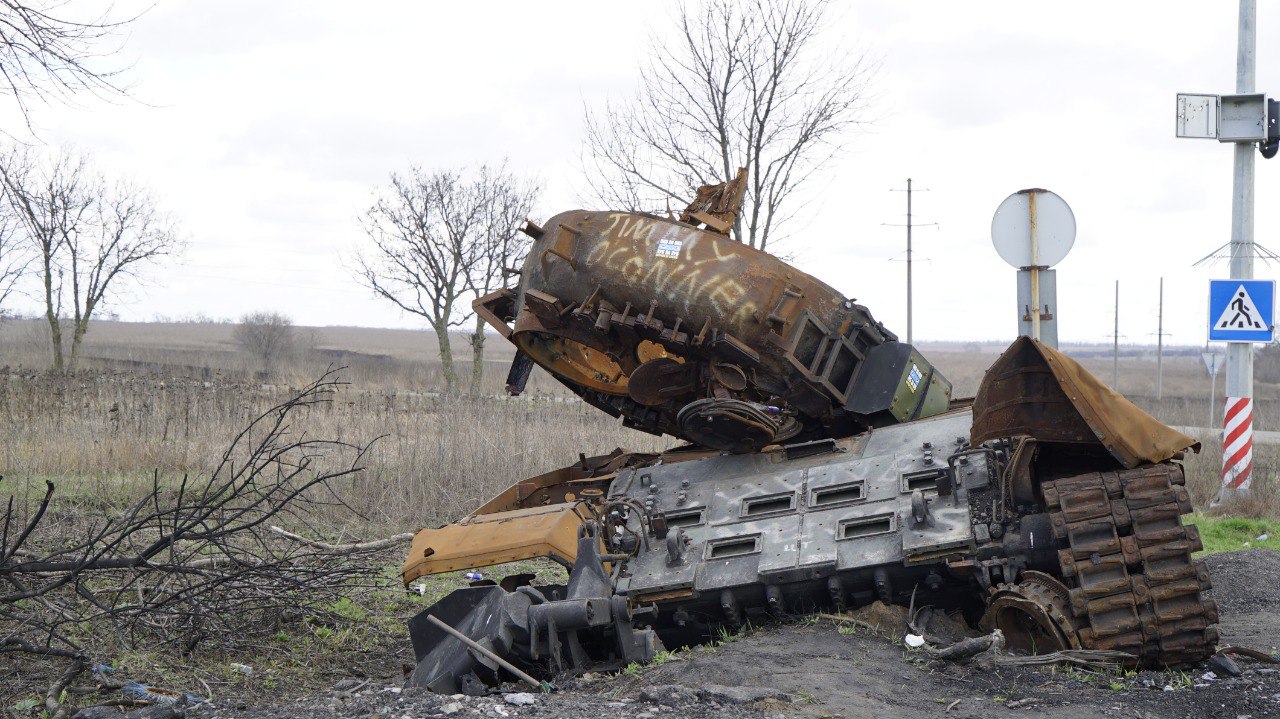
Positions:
(915, 641)
(244, 669)
(1247, 544)
(520, 698)
(1262, 537)
(1208, 676)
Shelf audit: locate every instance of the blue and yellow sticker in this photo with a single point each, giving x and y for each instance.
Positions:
(914, 377)
(668, 248)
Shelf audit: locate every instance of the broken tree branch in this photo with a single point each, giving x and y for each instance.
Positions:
(347, 548)
(186, 562)
(965, 648)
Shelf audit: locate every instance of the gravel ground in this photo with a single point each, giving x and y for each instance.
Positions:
(813, 670)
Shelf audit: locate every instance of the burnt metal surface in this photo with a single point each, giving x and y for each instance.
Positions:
(1036, 391)
(1060, 551)
(642, 316)
(547, 629)
(754, 520)
(1102, 562)
(717, 206)
(830, 469)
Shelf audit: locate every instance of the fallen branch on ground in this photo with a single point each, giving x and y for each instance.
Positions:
(851, 620)
(965, 648)
(1251, 653)
(1088, 658)
(347, 548)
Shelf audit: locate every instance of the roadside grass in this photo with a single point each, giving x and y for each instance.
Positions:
(1227, 534)
(367, 637)
(155, 403)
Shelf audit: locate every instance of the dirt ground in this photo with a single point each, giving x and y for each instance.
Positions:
(811, 669)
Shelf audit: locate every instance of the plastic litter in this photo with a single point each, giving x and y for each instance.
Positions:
(915, 641)
(156, 695)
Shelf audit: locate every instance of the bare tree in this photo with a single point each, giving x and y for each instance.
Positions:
(427, 231)
(500, 246)
(743, 85)
(89, 236)
(15, 256)
(265, 336)
(192, 563)
(49, 53)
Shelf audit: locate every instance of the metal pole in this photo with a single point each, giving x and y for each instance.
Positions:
(1240, 354)
(473, 644)
(1160, 341)
(908, 260)
(1213, 392)
(1035, 268)
(1115, 349)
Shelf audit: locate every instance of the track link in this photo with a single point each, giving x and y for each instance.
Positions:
(1126, 562)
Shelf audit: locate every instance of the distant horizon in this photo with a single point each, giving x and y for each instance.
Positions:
(267, 147)
(227, 321)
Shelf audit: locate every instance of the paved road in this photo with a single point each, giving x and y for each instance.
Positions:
(1204, 434)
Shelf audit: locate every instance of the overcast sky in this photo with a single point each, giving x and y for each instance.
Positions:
(265, 126)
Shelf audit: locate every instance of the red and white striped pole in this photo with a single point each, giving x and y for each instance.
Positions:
(1237, 444)
(1237, 426)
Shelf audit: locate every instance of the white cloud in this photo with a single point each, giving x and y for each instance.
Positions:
(264, 127)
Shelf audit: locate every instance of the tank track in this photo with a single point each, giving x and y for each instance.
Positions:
(1125, 558)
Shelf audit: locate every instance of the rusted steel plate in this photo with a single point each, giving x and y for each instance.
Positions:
(1036, 391)
(498, 538)
(608, 296)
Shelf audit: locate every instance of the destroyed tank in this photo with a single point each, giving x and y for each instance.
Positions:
(827, 467)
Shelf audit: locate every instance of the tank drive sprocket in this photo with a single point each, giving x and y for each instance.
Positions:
(1034, 614)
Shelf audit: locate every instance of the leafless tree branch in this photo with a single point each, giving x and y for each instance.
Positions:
(191, 563)
(744, 84)
(49, 52)
(266, 336)
(437, 237)
(87, 236)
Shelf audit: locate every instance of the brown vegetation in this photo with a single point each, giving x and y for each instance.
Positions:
(156, 403)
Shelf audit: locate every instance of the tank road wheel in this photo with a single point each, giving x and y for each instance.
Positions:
(1033, 614)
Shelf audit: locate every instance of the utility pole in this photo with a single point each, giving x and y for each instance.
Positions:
(1239, 387)
(1160, 341)
(1115, 349)
(909, 259)
(1243, 119)
(910, 251)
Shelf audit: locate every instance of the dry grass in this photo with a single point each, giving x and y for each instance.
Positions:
(168, 398)
(434, 459)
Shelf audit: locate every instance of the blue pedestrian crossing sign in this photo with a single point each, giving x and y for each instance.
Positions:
(1242, 310)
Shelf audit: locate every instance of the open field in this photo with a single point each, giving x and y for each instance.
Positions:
(163, 401)
(166, 397)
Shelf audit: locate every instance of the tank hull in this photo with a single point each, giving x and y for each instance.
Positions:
(1050, 509)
